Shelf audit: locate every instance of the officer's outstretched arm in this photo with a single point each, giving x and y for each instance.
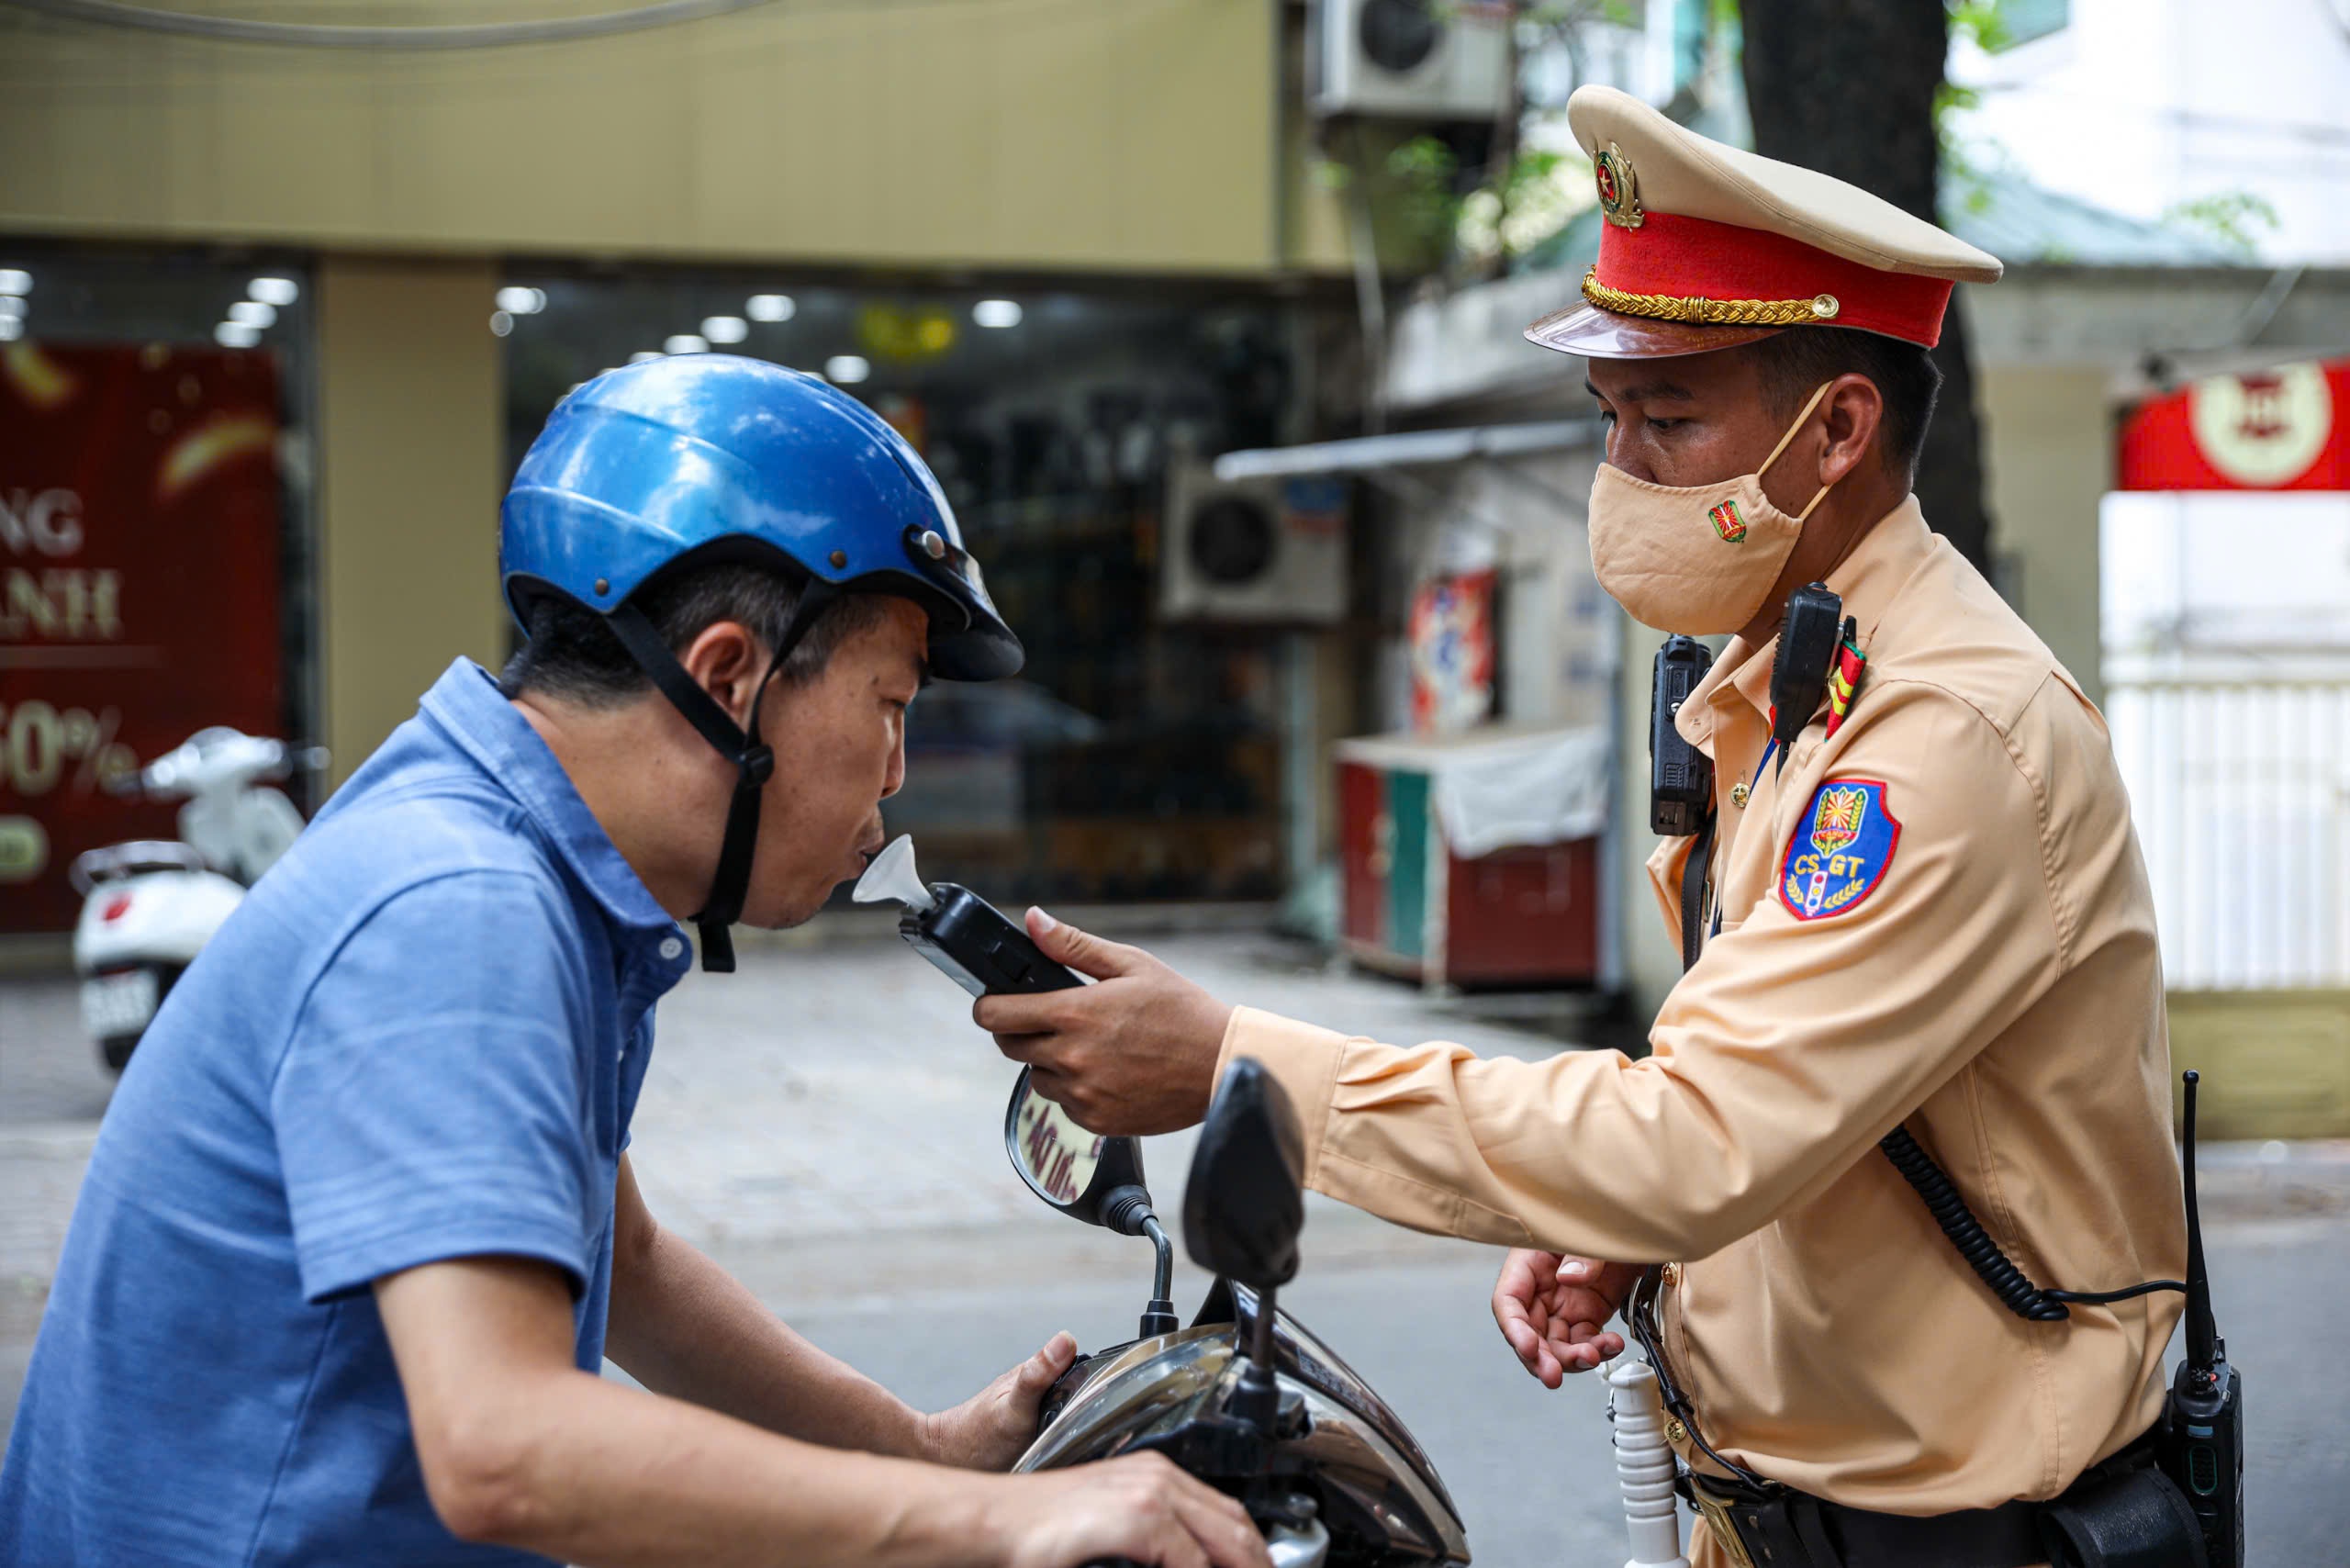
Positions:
(1911, 919)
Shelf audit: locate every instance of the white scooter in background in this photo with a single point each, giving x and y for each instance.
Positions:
(148, 907)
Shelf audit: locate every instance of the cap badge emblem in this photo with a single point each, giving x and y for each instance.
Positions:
(1619, 194)
(1728, 523)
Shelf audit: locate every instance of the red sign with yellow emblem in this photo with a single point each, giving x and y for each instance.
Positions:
(2284, 428)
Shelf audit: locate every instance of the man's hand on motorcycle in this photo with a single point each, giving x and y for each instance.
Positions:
(1553, 1311)
(1134, 1054)
(1138, 1507)
(992, 1428)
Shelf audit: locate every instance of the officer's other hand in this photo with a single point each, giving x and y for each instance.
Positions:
(1139, 1507)
(1132, 1055)
(1553, 1310)
(992, 1428)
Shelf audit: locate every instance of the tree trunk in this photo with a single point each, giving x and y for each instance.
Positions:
(1847, 87)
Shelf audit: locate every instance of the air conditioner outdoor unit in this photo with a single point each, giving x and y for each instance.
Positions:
(1266, 551)
(1423, 60)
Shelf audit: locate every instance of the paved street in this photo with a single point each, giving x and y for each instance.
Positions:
(828, 1125)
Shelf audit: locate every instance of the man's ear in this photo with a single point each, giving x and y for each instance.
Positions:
(1855, 413)
(727, 660)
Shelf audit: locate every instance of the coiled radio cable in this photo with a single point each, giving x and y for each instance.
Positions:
(1993, 1267)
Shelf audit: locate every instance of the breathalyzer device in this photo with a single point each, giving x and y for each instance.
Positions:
(965, 939)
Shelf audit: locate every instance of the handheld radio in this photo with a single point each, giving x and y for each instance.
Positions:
(1808, 635)
(1681, 778)
(965, 938)
(2201, 1444)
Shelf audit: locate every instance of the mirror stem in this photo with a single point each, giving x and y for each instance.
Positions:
(1260, 1334)
(1162, 1277)
(1257, 1399)
(1159, 1318)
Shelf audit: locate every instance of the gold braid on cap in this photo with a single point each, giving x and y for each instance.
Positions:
(1710, 312)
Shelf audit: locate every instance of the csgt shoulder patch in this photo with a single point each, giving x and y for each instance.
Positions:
(1841, 849)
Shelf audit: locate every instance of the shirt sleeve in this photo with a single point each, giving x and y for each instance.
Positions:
(433, 1101)
(1796, 1042)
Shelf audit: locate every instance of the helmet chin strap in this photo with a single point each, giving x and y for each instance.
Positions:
(753, 761)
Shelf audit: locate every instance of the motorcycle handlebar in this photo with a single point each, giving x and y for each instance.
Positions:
(265, 761)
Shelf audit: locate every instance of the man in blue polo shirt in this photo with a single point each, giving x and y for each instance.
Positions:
(360, 1225)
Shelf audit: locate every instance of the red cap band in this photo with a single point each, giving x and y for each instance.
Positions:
(1682, 258)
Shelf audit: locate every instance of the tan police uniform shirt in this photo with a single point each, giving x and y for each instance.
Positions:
(1997, 989)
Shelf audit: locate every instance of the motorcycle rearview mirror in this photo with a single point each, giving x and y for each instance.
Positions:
(1083, 1174)
(1087, 1176)
(1245, 1204)
(1242, 1207)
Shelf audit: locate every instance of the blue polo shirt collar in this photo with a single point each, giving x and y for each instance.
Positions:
(466, 705)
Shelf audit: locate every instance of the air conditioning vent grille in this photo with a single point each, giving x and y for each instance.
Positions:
(1398, 35)
(1232, 540)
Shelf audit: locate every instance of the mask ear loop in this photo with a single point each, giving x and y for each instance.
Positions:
(1793, 431)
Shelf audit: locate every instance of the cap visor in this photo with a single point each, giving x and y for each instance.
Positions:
(1595, 333)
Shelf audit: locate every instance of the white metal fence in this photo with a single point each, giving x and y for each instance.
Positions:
(2241, 790)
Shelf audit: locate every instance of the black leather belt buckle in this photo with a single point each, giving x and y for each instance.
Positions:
(1757, 1528)
(1714, 1511)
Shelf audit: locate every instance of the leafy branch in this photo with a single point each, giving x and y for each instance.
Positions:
(2228, 216)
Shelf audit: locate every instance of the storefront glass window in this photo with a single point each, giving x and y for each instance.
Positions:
(1138, 757)
(154, 537)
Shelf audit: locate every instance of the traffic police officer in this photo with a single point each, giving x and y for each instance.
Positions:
(1930, 912)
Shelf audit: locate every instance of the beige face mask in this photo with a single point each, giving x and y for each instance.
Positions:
(1696, 559)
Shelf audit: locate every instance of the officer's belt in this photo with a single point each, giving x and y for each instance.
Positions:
(1778, 1526)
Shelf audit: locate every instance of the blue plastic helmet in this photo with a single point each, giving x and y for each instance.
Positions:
(718, 456)
(713, 458)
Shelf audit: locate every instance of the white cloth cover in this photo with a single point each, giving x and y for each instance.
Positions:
(1506, 789)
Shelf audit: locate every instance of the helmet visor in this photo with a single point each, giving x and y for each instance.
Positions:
(981, 647)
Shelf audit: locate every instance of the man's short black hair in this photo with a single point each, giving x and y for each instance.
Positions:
(572, 655)
(1796, 362)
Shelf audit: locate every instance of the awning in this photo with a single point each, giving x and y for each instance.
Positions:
(1411, 449)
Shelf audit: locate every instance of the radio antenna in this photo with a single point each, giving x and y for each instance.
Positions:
(2203, 1344)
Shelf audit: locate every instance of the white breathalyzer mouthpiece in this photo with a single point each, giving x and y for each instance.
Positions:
(892, 879)
(1644, 1463)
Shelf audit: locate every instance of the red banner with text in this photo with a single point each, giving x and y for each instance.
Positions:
(139, 589)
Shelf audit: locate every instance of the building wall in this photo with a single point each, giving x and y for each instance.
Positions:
(2048, 455)
(1143, 135)
(411, 469)
(1067, 136)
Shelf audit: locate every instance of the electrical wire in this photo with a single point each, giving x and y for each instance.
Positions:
(319, 35)
(2098, 1298)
